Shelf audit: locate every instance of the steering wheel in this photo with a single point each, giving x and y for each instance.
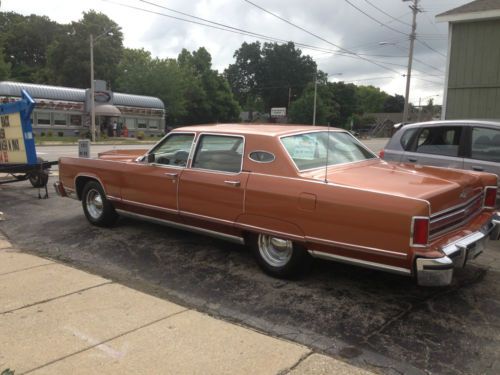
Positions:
(180, 158)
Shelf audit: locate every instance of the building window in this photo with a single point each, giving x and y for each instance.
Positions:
(75, 120)
(153, 124)
(43, 118)
(60, 119)
(129, 123)
(141, 124)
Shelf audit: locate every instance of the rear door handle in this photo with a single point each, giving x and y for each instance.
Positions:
(413, 160)
(233, 183)
(171, 176)
(476, 168)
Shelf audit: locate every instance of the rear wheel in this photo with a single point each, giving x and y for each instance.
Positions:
(98, 210)
(280, 257)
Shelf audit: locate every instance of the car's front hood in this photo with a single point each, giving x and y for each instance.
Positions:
(443, 188)
(121, 155)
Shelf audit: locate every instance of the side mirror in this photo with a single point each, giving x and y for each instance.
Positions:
(151, 158)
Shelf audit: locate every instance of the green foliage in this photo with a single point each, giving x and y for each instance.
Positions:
(270, 73)
(4, 66)
(371, 99)
(327, 110)
(7, 371)
(139, 135)
(394, 104)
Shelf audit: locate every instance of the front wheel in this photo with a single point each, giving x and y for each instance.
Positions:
(280, 257)
(98, 210)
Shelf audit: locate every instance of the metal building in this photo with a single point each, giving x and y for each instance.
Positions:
(65, 111)
(472, 86)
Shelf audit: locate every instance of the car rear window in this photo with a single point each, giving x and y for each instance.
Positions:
(407, 137)
(439, 140)
(317, 149)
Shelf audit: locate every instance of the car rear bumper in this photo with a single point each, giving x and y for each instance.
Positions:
(439, 271)
(59, 188)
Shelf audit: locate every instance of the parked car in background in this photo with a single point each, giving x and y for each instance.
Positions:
(462, 144)
(292, 193)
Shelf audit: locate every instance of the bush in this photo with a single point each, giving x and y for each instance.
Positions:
(42, 134)
(140, 135)
(60, 134)
(49, 133)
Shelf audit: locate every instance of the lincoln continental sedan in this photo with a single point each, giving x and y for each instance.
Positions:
(292, 193)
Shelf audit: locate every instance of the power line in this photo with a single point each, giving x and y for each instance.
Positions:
(429, 47)
(317, 36)
(374, 19)
(387, 14)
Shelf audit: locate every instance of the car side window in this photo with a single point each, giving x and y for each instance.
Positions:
(173, 150)
(485, 144)
(439, 140)
(407, 137)
(219, 153)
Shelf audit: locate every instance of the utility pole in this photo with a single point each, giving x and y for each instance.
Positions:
(92, 89)
(315, 94)
(413, 36)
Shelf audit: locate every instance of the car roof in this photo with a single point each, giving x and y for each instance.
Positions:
(452, 122)
(257, 129)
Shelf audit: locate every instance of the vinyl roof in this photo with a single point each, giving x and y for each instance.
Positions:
(75, 95)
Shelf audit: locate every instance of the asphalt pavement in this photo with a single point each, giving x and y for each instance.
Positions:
(369, 319)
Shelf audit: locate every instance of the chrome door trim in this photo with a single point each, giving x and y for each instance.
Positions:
(144, 205)
(173, 224)
(359, 262)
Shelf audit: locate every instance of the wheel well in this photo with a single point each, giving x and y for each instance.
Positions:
(80, 183)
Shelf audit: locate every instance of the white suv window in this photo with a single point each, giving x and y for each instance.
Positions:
(439, 140)
(485, 144)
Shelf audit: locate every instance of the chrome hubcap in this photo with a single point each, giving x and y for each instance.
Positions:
(277, 252)
(94, 204)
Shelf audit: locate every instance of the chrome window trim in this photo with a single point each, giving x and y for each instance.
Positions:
(325, 131)
(359, 262)
(258, 161)
(197, 139)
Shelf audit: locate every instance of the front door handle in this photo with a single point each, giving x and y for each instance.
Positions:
(413, 160)
(477, 168)
(233, 183)
(171, 176)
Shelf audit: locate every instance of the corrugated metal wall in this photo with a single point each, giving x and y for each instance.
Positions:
(474, 77)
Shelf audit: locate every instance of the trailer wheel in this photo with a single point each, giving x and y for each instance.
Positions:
(98, 210)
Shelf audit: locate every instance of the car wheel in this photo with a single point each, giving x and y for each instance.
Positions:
(280, 257)
(98, 210)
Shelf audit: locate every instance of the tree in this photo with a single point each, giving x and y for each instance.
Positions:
(69, 56)
(26, 40)
(4, 66)
(371, 99)
(346, 97)
(269, 72)
(301, 110)
(394, 104)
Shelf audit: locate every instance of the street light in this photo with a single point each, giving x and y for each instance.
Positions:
(92, 88)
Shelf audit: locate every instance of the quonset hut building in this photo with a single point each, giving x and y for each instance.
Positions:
(65, 111)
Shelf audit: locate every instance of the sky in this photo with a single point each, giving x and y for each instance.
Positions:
(339, 24)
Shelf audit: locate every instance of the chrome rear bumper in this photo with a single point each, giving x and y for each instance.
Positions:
(59, 188)
(439, 271)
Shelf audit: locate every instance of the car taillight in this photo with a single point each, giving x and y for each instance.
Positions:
(420, 232)
(381, 154)
(490, 196)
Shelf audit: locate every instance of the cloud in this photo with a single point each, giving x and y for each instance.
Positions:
(336, 21)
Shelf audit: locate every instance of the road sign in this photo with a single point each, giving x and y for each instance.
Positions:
(278, 112)
(17, 145)
(84, 148)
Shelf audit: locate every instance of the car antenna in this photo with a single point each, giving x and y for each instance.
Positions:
(327, 152)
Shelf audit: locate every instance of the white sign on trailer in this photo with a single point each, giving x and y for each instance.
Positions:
(278, 112)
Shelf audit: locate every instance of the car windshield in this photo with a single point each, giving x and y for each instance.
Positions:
(311, 150)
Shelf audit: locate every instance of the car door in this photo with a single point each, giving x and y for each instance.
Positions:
(483, 152)
(440, 146)
(213, 188)
(152, 183)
